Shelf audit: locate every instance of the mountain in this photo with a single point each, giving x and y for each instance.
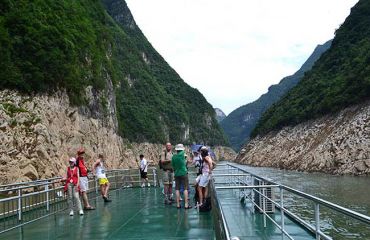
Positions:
(340, 78)
(220, 115)
(322, 124)
(95, 52)
(239, 124)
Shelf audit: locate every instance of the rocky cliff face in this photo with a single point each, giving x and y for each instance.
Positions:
(220, 115)
(38, 135)
(338, 144)
(224, 153)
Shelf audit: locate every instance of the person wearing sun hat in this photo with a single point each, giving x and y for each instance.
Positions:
(84, 181)
(72, 186)
(181, 174)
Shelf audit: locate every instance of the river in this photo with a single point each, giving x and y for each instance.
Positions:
(352, 192)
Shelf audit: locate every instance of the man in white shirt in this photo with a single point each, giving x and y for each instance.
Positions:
(144, 170)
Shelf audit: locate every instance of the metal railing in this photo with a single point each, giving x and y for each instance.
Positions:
(26, 202)
(241, 179)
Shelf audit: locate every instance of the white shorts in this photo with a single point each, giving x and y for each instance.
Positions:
(204, 179)
(84, 184)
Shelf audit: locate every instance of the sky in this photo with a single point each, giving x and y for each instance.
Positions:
(233, 50)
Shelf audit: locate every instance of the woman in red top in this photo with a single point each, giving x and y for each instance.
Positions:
(72, 186)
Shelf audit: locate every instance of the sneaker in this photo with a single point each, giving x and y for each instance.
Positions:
(143, 185)
(81, 212)
(148, 184)
(71, 213)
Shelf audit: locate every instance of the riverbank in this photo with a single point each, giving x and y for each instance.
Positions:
(336, 144)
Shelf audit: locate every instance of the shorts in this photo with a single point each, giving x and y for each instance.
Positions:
(84, 184)
(143, 174)
(103, 181)
(182, 181)
(204, 179)
(167, 177)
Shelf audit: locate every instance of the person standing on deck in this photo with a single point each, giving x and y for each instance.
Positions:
(102, 178)
(72, 186)
(144, 170)
(181, 174)
(84, 181)
(166, 158)
(207, 166)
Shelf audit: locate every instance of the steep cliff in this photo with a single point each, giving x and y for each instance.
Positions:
(38, 134)
(322, 124)
(340, 78)
(239, 124)
(94, 48)
(337, 143)
(220, 115)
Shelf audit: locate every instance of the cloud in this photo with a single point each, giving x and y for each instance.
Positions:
(232, 51)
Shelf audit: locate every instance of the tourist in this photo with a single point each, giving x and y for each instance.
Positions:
(102, 178)
(72, 186)
(84, 181)
(144, 171)
(167, 176)
(206, 170)
(197, 162)
(181, 174)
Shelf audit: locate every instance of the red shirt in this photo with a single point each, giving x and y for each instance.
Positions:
(72, 177)
(82, 167)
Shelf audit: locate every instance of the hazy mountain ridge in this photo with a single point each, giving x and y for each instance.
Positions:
(339, 79)
(239, 124)
(220, 115)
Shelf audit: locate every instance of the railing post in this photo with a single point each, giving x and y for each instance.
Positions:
(47, 196)
(282, 212)
(19, 204)
(317, 221)
(264, 205)
(96, 184)
(154, 177)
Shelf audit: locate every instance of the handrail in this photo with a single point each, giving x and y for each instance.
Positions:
(245, 183)
(346, 211)
(45, 197)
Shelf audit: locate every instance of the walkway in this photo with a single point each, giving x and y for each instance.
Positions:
(134, 213)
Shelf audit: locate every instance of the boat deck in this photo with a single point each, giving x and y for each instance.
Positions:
(139, 213)
(134, 213)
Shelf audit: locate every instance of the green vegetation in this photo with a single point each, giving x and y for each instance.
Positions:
(11, 109)
(50, 45)
(341, 77)
(239, 124)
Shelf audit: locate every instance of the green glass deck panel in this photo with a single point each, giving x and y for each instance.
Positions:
(134, 213)
(245, 224)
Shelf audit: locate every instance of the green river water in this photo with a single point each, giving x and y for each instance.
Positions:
(352, 192)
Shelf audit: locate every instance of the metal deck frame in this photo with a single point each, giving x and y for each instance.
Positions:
(237, 179)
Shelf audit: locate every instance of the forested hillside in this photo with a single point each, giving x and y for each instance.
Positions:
(48, 46)
(239, 124)
(341, 77)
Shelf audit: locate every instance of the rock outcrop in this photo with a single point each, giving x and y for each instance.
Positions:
(38, 135)
(338, 144)
(224, 153)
